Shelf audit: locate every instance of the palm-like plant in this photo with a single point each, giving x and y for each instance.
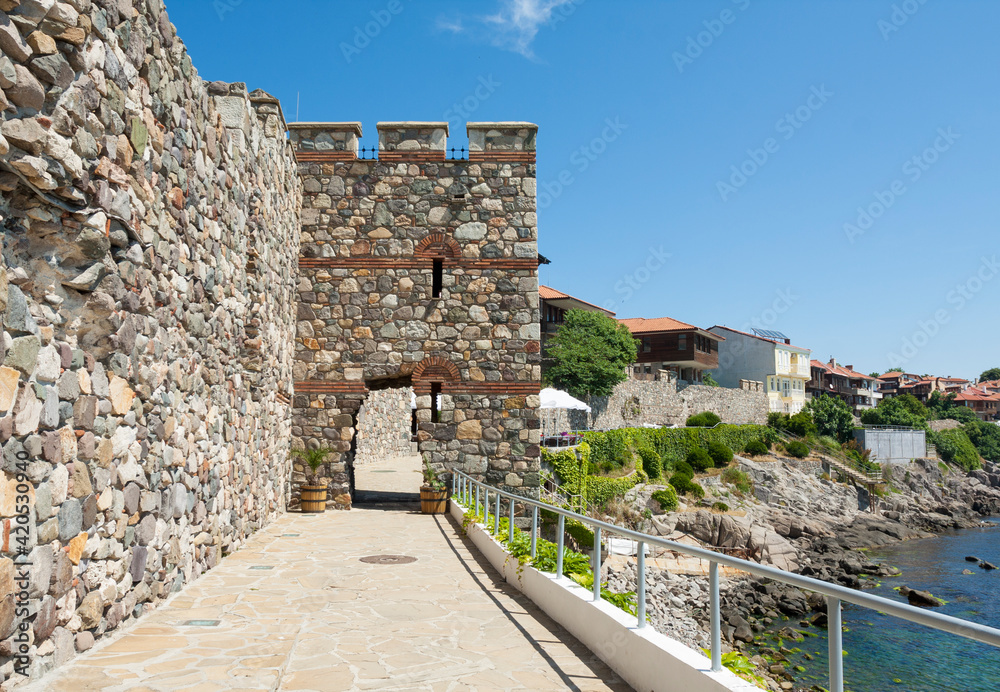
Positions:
(314, 459)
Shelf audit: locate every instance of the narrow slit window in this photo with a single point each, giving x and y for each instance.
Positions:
(438, 278)
(435, 408)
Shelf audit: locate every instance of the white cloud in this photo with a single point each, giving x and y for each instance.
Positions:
(515, 24)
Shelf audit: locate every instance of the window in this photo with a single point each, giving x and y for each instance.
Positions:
(435, 395)
(682, 342)
(647, 345)
(438, 279)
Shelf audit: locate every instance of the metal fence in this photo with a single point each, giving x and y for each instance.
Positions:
(476, 495)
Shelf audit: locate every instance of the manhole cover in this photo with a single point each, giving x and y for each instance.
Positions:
(384, 471)
(389, 559)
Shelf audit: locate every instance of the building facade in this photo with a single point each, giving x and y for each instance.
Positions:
(859, 391)
(681, 349)
(419, 271)
(783, 368)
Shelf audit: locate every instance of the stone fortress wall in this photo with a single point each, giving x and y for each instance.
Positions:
(634, 403)
(147, 292)
(384, 426)
(375, 233)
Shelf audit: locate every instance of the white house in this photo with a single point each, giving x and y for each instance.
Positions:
(766, 357)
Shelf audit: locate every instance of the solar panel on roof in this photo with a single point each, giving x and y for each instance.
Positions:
(769, 334)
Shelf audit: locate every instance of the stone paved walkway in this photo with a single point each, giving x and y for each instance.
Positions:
(394, 479)
(320, 619)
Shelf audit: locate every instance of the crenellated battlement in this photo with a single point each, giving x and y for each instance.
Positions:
(413, 141)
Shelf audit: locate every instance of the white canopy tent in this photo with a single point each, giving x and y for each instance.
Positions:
(554, 398)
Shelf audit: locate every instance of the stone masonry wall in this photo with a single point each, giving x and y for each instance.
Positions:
(637, 402)
(384, 425)
(372, 231)
(147, 295)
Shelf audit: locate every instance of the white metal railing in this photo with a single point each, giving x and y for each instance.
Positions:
(469, 492)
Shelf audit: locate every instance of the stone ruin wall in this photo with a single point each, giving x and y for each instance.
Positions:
(371, 231)
(384, 426)
(637, 402)
(147, 293)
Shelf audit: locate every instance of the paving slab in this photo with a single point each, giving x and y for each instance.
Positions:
(321, 620)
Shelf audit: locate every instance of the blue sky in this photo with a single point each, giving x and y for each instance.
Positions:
(826, 169)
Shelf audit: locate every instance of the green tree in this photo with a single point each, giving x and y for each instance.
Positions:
(708, 380)
(985, 437)
(955, 447)
(905, 410)
(590, 354)
(832, 416)
(991, 374)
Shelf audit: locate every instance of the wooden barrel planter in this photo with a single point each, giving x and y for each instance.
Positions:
(433, 501)
(313, 498)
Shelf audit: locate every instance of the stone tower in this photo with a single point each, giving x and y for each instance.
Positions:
(419, 270)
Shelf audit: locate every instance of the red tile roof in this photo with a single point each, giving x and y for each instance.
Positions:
(975, 394)
(548, 293)
(640, 325)
(754, 336)
(840, 370)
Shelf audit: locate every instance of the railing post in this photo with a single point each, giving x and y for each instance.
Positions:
(477, 499)
(560, 541)
(640, 589)
(597, 563)
(486, 507)
(510, 522)
(713, 578)
(454, 484)
(534, 530)
(835, 636)
(496, 518)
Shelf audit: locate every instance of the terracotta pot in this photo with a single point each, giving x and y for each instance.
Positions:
(433, 501)
(313, 498)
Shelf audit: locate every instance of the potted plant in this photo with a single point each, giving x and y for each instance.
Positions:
(433, 493)
(313, 497)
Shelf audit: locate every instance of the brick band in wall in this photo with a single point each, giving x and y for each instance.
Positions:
(502, 156)
(325, 156)
(413, 263)
(321, 387)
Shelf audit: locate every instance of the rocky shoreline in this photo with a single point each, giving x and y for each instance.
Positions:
(798, 519)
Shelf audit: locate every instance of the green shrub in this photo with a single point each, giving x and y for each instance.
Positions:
(801, 424)
(720, 506)
(720, 453)
(738, 479)
(651, 462)
(584, 536)
(956, 448)
(697, 490)
(755, 448)
(681, 482)
(684, 467)
(667, 497)
(672, 444)
(778, 421)
(699, 459)
(797, 449)
(705, 419)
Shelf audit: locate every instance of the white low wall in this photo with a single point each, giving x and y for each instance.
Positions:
(644, 658)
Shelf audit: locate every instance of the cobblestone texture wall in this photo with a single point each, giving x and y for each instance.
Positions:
(637, 402)
(370, 312)
(384, 425)
(147, 294)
